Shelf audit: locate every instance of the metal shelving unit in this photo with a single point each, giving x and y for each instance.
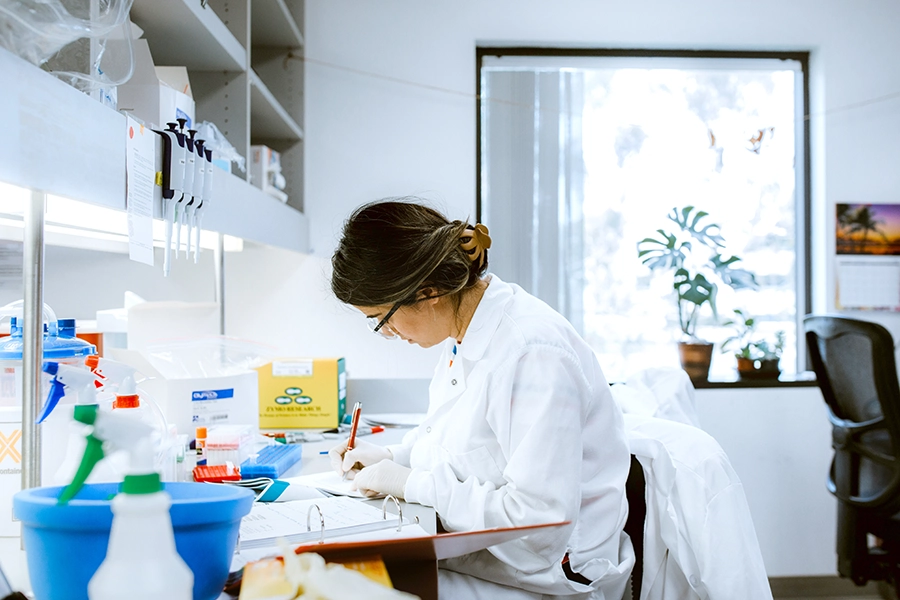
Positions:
(185, 32)
(59, 141)
(268, 119)
(72, 146)
(240, 56)
(274, 24)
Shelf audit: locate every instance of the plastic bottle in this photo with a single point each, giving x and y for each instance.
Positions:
(200, 444)
(130, 402)
(59, 344)
(72, 381)
(141, 561)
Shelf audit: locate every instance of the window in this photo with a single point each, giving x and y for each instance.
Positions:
(584, 153)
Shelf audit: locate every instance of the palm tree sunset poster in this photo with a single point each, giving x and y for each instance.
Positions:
(868, 229)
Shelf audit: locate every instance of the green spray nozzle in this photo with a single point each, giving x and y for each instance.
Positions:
(116, 432)
(93, 453)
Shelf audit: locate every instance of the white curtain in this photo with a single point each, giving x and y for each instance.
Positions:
(533, 181)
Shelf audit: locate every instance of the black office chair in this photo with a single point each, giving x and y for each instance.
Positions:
(856, 371)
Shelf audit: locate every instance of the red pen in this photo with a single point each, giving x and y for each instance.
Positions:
(354, 425)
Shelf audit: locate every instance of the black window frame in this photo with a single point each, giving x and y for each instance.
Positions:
(802, 57)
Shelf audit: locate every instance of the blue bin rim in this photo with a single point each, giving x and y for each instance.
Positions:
(222, 506)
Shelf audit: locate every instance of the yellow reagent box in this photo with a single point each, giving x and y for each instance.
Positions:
(302, 392)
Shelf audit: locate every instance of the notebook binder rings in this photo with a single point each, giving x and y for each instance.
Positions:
(294, 521)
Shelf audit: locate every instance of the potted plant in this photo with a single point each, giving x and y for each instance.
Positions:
(757, 357)
(692, 252)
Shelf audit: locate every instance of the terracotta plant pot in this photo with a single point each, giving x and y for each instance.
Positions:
(695, 359)
(758, 369)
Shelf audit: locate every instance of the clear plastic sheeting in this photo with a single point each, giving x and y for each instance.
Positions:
(219, 144)
(87, 43)
(213, 356)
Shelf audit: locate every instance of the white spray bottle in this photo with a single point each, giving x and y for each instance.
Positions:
(66, 380)
(141, 560)
(129, 400)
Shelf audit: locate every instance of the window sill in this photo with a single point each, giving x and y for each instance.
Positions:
(731, 380)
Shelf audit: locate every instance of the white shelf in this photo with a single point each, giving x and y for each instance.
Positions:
(272, 24)
(57, 139)
(185, 33)
(67, 144)
(268, 119)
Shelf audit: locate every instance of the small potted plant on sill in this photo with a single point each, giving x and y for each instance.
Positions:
(692, 253)
(757, 358)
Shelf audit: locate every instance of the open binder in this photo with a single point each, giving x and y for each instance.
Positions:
(300, 521)
(412, 562)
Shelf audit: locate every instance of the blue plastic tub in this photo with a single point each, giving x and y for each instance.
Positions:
(66, 544)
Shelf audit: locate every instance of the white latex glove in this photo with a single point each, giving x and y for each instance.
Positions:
(364, 453)
(386, 477)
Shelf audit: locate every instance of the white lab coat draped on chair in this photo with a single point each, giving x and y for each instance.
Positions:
(699, 540)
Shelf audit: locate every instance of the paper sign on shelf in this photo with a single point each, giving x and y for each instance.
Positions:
(140, 144)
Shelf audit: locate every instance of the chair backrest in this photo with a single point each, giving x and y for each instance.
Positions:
(855, 367)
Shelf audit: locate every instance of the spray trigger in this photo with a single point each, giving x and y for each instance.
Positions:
(57, 391)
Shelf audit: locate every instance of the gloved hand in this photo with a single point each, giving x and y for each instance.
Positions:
(364, 453)
(386, 477)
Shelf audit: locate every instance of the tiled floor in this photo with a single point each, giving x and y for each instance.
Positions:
(824, 588)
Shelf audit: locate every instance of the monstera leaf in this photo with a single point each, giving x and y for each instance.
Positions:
(663, 253)
(736, 278)
(696, 290)
(707, 234)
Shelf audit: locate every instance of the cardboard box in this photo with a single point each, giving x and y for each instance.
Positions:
(302, 392)
(156, 95)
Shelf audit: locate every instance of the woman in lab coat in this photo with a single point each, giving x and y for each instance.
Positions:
(521, 427)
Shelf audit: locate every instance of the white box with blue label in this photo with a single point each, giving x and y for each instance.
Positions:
(191, 402)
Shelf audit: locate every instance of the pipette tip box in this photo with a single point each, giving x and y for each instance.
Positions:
(229, 443)
(271, 461)
(216, 473)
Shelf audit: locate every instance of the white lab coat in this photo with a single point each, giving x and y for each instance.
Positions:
(699, 540)
(664, 392)
(522, 429)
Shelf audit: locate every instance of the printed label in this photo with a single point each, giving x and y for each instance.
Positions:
(212, 395)
(11, 448)
(293, 368)
(208, 406)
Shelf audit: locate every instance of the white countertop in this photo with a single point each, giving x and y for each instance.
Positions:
(13, 559)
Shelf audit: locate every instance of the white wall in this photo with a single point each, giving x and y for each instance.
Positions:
(283, 299)
(779, 443)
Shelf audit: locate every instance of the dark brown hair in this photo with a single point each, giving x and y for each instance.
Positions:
(392, 249)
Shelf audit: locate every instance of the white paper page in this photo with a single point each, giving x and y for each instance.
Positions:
(870, 283)
(286, 519)
(327, 481)
(140, 177)
(394, 419)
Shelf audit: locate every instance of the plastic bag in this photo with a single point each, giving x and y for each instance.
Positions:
(219, 144)
(215, 356)
(87, 43)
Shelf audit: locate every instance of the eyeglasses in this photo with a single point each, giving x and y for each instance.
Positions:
(376, 326)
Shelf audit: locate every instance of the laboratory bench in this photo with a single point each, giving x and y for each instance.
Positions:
(13, 559)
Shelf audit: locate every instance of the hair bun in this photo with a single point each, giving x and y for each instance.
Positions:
(476, 243)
